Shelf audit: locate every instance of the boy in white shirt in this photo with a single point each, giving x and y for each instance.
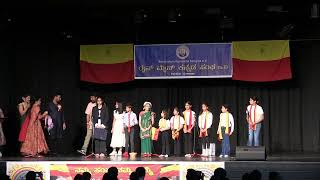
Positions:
(255, 116)
(130, 121)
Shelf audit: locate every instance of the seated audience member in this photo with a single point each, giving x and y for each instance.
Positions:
(31, 175)
(219, 174)
(164, 178)
(78, 177)
(141, 172)
(133, 176)
(113, 173)
(194, 175)
(86, 176)
(255, 175)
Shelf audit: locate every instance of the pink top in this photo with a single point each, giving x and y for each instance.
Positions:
(89, 108)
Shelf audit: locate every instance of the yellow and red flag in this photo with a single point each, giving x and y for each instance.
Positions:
(106, 64)
(261, 61)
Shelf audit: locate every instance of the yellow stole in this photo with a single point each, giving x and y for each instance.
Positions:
(163, 123)
(227, 128)
(185, 119)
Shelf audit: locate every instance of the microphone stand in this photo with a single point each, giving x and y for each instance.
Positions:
(195, 154)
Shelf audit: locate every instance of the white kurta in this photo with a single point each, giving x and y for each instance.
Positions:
(118, 137)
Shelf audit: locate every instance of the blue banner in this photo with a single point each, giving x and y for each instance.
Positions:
(165, 61)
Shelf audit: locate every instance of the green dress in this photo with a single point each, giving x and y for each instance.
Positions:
(146, 142)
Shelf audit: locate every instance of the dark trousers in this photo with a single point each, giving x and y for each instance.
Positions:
(55, 145)
(99, 146)
(188, 142)
(177, 145)
(129, 139)
(165, 142)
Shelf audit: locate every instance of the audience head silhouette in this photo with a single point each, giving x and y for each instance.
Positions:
(86, 176)
(255, 175)
(31, 175)
(134, 176)
(113, 172)
(78, 177)
(141, 172)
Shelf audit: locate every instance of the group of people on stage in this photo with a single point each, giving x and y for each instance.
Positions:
(124, 122)
(186, 125)
(32, 138)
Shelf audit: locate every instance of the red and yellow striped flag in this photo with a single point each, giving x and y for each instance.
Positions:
(261, 61)
(106, 64)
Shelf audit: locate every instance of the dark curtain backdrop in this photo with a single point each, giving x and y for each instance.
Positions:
(43, 62)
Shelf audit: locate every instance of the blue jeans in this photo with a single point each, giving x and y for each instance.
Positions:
(254, 135)
(225, 142)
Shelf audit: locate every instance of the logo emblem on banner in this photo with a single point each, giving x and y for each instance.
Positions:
(182, 52)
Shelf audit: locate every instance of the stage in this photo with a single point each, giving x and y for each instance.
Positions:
(290, 166)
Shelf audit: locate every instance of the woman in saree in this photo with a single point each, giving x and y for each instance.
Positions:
(146, 119)
(35, 143)
(24, 112)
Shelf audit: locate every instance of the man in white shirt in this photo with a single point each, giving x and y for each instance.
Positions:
(129, 122)
(88, 112)
(255, 116)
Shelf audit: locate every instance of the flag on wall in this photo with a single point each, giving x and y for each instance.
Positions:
(261, 61)
(106, 64)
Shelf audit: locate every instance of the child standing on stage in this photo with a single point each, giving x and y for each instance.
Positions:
(176, 123)
(100, 120)
(118, 136)
(205, 123)
(225, 129)
(146, 119)
(189, 117)
(164, 127)
(255, 116)
(130, 121)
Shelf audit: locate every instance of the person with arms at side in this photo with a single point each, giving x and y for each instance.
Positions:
(164, 128)
(190, 118)
(35, 142)
(146, 120)
(24, 113)
(205, 123)
(100, 119)
(88, 112)
(55, 111)
(176, 124)
(225, 129)
(130, 122)
(255, 116)
(118, 136)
